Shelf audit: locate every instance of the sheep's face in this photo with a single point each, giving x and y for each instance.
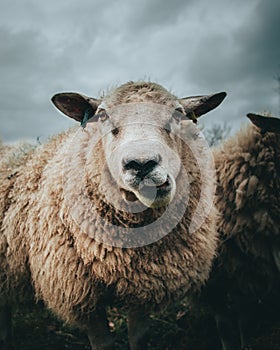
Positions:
(142, 149)
(141, 136)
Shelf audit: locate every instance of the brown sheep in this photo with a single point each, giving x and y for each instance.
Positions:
(117, 212)
(244, 286)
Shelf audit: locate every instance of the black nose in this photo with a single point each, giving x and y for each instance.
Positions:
(141, 166)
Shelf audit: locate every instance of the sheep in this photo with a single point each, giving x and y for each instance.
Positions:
(107, 213)
(244, 285)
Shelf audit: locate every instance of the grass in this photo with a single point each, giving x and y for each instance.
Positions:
(36, 328)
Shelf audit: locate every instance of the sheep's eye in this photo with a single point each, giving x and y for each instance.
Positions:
(115, 131)
(178, 114)
(180, 110)
(102, 115)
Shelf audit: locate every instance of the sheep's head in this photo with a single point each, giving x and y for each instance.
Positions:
(140, 136)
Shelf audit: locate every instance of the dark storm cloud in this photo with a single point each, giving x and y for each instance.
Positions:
(243, 60)
(260, 56)
(43, 50)
(26, 69)
(259, 40)
(157, 14)
(190, 47)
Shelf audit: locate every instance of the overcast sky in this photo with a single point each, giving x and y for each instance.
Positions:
(190, 47)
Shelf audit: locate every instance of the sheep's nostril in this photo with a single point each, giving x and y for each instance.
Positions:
(132, 165)
(141, 166)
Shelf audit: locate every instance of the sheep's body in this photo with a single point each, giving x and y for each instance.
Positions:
(74, 274)
(244, 285)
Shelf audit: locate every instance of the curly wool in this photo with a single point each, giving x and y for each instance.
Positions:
(139, 92)
(245, 273)
(71, 271)
(248, 174)
(14, 274)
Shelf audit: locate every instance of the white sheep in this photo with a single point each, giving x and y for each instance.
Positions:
(116, 212)
(244, 286)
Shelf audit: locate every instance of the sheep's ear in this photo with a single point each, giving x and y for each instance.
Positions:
(195, 106)
(76, 106)
(264, 123)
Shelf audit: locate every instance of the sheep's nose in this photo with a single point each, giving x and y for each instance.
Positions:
(141, 166)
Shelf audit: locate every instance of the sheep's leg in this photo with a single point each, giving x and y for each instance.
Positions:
(248, 315)
(98, 331)
(247, 323)
(5, 328)
(226, 332)
(275, 249)
(138, 326)
(244, 328)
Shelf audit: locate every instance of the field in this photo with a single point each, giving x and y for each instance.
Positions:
(37, 329)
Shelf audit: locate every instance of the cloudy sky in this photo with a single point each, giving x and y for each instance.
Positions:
(191, 47)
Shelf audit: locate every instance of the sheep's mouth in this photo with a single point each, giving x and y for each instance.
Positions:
(128, 195)
(148, 191)
(156, 191)
(165, 187)
(156, 196)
